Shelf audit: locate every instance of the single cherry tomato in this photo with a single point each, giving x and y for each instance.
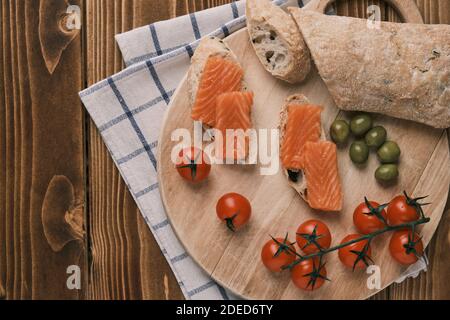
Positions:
(312, 236)
(278, 253)
(405, 248)
(309, 275)
(404, 209)
(193, 165)
(235, 210)
(356, 255)
(369, 217)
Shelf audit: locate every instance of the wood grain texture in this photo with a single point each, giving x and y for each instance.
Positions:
(35, 126)
(126, 262)
(41, 155)
(123, 16)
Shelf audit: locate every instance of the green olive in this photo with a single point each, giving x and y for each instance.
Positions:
(387, 172)
(389, 152)
(340, 131)
(360, 124)
(359, 152)
(376, 137)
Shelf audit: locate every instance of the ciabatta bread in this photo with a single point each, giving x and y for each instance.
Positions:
(300, 186)
(277, 41)
(400, 70)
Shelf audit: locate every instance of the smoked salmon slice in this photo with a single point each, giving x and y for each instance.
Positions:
(322, 176)
(233, 119)
(219, 76)
(303, 125)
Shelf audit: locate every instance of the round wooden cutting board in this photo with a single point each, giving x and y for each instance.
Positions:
(233, 259)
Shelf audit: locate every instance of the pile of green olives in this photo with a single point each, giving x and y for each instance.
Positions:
(368, 137)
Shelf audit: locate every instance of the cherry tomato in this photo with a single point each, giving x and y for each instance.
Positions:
(369, 217)
(403, 209)
(404, 248)
(193, 165)
(278, 253)
(235, 210)
(312, 236)
(357, 255)
(309, 275)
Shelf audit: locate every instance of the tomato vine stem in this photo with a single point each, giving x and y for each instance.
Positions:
(410, 225)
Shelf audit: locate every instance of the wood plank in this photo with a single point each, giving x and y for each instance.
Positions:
(41, 147)
(126, 262)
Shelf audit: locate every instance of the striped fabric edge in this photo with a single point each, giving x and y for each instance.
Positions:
(161, 51)
(155, 228)
(189, 49)
(221, 32)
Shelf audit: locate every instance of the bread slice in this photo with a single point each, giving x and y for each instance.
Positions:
(208, 47)
(278, 43)
(301, 185)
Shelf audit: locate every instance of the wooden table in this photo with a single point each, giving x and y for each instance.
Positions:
(62, 201)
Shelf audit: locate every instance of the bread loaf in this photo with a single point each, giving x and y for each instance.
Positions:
(400, 70)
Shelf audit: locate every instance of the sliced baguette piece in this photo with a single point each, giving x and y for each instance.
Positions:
(277, 41)
(301, 185)
(208, 47)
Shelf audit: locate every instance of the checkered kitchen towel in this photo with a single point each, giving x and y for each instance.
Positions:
(128, 109)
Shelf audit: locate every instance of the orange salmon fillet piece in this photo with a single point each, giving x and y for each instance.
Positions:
(219, 76)
(322, 176)
(303, 125)
(233, 111)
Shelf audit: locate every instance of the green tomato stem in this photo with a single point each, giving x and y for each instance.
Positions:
(370, 237)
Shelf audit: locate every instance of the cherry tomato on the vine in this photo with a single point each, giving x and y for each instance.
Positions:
(309, 274)
(312, 236)
(235, 210)
(356, 255)
(193, 165)
(403, 209)
(278, 253)
(406, 248)
(370, 217)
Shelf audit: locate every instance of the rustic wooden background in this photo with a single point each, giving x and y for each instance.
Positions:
(62, 201)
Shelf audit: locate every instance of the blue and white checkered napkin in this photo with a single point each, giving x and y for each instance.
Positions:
(128, 109)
